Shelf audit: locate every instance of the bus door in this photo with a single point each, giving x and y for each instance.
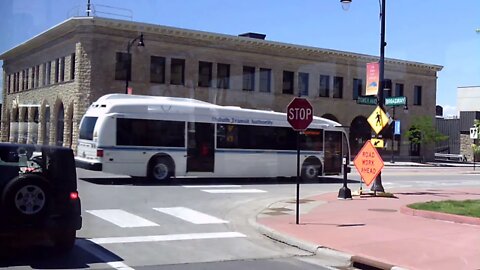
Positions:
(332, 150)
(200, 147)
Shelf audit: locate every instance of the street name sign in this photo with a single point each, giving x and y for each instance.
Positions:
(395, 101)
(378, 120)
(368, 163)
(367, 100)
(299, 113)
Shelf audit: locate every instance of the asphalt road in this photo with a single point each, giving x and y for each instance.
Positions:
(199, 223)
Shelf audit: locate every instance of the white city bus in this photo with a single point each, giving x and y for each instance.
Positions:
(164, 137)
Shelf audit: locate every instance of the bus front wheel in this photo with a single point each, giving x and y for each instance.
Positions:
(160, 169)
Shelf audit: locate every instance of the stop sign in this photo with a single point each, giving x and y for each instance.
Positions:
(299, 113)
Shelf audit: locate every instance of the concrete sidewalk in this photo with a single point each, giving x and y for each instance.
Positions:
(380, 232)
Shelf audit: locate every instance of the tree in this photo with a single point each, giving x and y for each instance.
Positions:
(423, 132)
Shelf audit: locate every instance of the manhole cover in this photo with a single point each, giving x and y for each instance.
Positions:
(382, 210)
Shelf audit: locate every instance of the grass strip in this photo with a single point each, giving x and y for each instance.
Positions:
(470, 208)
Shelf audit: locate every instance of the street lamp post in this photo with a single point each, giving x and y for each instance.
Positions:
(377, 184)
(129, 46)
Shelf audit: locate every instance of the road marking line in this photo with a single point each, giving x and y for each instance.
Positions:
(190, 215)
(219, 191)
(212, 186)
(102, 254)
(166, 237)
(122, 218)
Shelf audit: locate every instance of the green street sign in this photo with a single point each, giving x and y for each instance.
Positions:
(395, 101)
(367, 100)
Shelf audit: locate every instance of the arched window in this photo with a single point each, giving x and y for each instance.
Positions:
(60, 125)
(360, 132)
(14, 125)
(46, 130)
(34, 124)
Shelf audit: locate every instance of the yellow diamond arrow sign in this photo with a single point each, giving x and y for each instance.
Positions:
(378, 120)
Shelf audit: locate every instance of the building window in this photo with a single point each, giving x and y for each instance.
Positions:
(72, 66)
(8, 84)
(14, 82)
(248, 78)
(57, 65)
(37, 76)
(387, 88)
(265, 80)
(18, 82)
(399, 90)
(223, 76)
(123, 66)
(32, 83)
(337, 87)
(157, 69)
(27, 79)
(324, 86)
(357, 88)
(287, 86)
(303, 83)
(62, 69)
(177, 67)
(44, 74)
(23, 80)
(204, 74)
(417, 95)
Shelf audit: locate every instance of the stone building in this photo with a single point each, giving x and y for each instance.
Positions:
(51, 79)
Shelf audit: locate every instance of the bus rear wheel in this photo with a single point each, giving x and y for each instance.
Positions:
(160, 169)
(311, 170)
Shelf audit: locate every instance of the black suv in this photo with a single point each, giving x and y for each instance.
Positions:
(39, 201)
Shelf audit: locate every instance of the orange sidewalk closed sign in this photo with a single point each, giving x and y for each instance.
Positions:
(368, 163)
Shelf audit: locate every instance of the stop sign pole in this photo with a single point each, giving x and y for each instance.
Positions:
(299, 115)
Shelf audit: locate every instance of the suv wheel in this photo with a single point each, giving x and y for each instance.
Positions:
(26, 197)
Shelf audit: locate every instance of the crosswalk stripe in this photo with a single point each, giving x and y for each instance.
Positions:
(218, 191)
(122, 218)
(190, 215)
(212, 186)
(166, 237)
(102, 254)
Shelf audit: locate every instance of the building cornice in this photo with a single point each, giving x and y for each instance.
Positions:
(212, 39)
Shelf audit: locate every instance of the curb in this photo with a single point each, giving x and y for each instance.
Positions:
(286, 239)
(439, 216)
(315, 249)
(355, 260)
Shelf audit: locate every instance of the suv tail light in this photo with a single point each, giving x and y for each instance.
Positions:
(73, 195)
(99, 152)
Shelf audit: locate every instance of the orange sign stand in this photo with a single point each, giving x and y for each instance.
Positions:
(368, 162)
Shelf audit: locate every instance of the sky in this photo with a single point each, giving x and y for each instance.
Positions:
(440, 32)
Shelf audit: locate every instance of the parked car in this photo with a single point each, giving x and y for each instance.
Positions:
(39, 201)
